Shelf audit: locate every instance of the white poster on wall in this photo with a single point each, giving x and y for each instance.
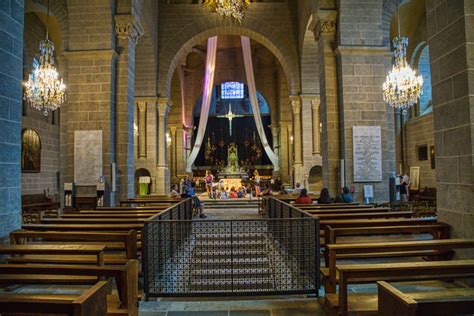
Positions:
(367, 153)
(87, 157)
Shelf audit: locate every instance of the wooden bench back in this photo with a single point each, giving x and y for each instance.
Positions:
(129, 239)
(126, 277)
(370, 215)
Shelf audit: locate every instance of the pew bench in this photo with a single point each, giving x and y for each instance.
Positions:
(348, 210)
(350, 216)
(92, 302)
(453, 301)
(95, 253)
(84, 227)
(338, 206)
(344, 303)
(109, 215)
(125, 302)
(436, 249)
(92, 221)
(395, 233)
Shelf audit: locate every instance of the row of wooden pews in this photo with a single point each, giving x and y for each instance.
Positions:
(394, 250)
(94, 252)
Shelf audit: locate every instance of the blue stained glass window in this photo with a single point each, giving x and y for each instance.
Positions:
(232, 90)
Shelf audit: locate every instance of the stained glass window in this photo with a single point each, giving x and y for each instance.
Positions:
(232, 90)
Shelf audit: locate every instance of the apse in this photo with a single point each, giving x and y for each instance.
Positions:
(232, 99)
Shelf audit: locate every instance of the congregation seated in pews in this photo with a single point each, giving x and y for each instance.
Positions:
(91, 258)
(363, 247)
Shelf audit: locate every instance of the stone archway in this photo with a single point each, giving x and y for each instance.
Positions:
(315, 180)
(142, 172)
(179, 46)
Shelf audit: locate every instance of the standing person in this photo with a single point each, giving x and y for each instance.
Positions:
(403, 189)
(304, 198)
(209, 179)
(174, 192)
(324, 197)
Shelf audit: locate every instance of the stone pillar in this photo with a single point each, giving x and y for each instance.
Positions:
(173, 147)
(11, 74)
(142, 135)
(297, 139)
(127, 30)
(180, 153)
(452, 77)
(290, 158)
(276, 147)
(325, 35)
(163, 173)
(315, 103)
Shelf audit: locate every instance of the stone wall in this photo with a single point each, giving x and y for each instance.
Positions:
(11, 52)
(419, 131)
(451, 44)
(47, 127)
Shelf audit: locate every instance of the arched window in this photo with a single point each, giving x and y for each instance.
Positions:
(426, 100)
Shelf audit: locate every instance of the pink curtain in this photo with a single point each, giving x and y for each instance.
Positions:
(206, 100)
(253, 100)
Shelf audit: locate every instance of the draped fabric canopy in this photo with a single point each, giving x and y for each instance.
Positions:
(254, 101)
(207, 96)
(206, 99)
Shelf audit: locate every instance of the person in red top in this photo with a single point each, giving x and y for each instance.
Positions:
(304, 198)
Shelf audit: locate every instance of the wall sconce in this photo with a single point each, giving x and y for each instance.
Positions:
(168, 139)
(135, 129)
(291, 139)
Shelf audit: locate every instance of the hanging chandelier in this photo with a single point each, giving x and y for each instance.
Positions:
(44, 90)
(229, 8)
(403, 87)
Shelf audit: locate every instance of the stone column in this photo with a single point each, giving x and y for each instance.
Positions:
(127, 30)
(290, 145)
(10, 115)
(315, 105)
(188, 136)
(325, 35)
(173, 147)
(163, 174)
(297, 139)
(452, 77)
(276, 148)
(141, 129)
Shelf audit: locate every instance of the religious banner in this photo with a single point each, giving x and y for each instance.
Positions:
(87, 157)
(367, 153)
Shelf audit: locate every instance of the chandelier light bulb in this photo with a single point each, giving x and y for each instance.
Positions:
(403, 86)
(229, 8)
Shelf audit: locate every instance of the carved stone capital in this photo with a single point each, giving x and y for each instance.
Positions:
(141, 106)
(295, 102)
(326, 23)
(163, 107)
(126, 26)
(315, 104)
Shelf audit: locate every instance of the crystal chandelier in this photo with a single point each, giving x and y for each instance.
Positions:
(229, 8)
(403, 87)
(44, 90)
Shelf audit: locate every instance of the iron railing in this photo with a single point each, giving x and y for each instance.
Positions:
(276, 255)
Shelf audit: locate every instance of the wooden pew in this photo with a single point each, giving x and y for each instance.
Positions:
(350, 216)
(139, 212)
(92, 221)
(437, 231)
(162, 206)
(342, 303)
(393, 302)
(441, 247)
(337, 223)
(53, 251)
(125, 277)
(348, 210)
(110, 215)
(337, 206)
(84, 227)
(149, 200)
(125, 242)
(92, 302)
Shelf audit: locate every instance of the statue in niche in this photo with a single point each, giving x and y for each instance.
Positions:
(232, 158)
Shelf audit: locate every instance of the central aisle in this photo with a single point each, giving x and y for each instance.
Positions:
(297, 305)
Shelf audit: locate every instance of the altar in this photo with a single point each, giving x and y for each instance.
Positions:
(232, 174)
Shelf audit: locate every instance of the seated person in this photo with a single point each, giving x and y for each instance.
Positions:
(283, 190)
(324, 197)
(223, 194)
(196, 201)
(174, 192)
(345, 196)
(240, 193)
(297, 189)
(267, 191)
(303, 198)
(233, 194)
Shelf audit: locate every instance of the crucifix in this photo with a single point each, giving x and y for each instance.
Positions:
(230, 116)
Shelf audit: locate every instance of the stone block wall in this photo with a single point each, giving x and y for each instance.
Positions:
(11, 52)
(419, 131)
(451, 42)
(47, 127)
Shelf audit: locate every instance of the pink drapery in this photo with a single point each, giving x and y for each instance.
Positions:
(206, 100)
(254, 101)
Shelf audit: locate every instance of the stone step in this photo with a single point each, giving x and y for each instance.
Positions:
(227, 243)
(226, 273)
(227, 238)
(235, 285)
(224, 262)
(222, 254)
